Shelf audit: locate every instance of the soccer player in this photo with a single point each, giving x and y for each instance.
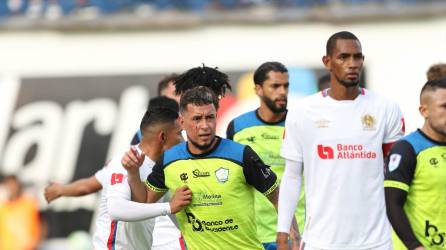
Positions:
(221, 174)
(262, 129)
(160, 130)
(337, 140)
(415, 184)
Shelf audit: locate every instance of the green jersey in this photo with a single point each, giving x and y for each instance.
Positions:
(222, 181)
(265, 139)
(417, 165)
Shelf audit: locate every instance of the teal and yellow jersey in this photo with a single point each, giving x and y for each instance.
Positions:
(222, 181)
(265, 139)
(417, 166)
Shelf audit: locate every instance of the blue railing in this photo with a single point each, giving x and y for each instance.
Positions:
(10, 8)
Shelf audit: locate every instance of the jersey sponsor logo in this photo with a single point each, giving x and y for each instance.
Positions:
(116, 178)
(267, 136)
(368, 122)
(433, 234)
(322, 123)
(206, 200)
(251, 139)
(266, 172)
(222, 175)
(344, 152)
(197, 173)
(434, 162)
(325, 152)
(212, 226)
(394, 161)
(184, 177)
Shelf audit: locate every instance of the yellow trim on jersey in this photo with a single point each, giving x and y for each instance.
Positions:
(396, 184)
(272, 188)
(155, 189)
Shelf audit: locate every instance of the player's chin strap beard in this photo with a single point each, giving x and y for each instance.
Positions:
(203, 147)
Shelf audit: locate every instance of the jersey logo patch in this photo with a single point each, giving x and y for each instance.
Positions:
(116, 178)
(222, 175)
(368, 122)
(325, 152)
(394, 161)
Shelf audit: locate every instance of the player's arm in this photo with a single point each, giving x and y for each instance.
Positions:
(259, 175)
(132, 161)
(230, 131)
(120, 207)
(288, 198)
(400, 169)
(79, 187)
(395, 127)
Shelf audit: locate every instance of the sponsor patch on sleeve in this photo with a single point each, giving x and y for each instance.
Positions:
(394, 161)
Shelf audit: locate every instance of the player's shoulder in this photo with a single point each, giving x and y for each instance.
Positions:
(175, 153)
(379, 99)
(229, 149)
(246, 120)
(115, 163)
(304, 103)
(418, 141)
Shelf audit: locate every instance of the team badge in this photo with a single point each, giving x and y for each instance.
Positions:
(368, 122)
(322, 123)
(184, 177)
(222, 175)
(394, 161)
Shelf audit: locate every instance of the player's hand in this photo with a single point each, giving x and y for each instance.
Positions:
(420, 248)
(132, 160)
(282, 241)
(180, 199)
(52, 192)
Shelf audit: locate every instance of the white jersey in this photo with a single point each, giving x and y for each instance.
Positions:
(119, 235)
(340, 145)
(165, 231)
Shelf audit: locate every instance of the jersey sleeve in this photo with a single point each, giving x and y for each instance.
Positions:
(100, 175)
(395, 124)
(400, 166)
(230, 131)
(291, 148)
(257, 174)
(117, 184)
(156, 180)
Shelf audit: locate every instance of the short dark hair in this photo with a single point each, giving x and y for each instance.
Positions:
(212, 78)
(164, 82)
(157, 116)
(199, 96)
(342, 35)
(261, 73)
(436, 71)
(433, 85)
(163, 102)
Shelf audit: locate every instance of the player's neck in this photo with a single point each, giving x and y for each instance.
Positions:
(427, 130)
(339, 92)
(149, 150)
(269, 116)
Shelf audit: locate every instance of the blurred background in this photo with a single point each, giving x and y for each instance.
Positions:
(76, 75)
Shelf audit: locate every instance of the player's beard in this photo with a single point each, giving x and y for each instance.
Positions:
(204, 147)
(438, 128)
(272, 106)
(348, 83)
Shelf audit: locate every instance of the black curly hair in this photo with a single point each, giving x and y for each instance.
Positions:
(205, 76)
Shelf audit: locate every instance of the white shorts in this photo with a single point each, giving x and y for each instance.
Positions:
(386, 246)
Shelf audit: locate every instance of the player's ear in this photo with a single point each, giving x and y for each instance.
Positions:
(181, 121)
(258, 89)
(327, 62)
(424, 111)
